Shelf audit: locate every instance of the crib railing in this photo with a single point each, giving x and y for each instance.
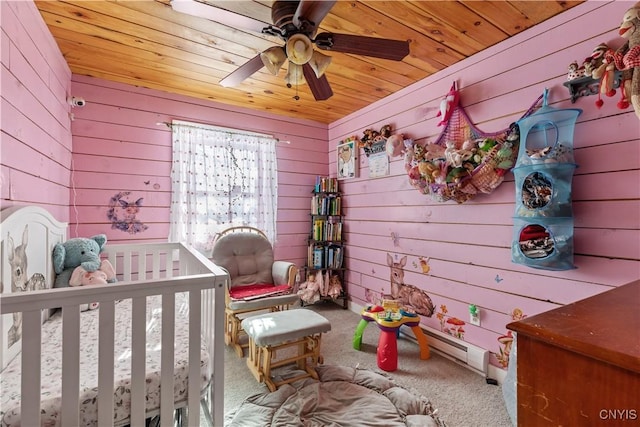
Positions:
(143, 270)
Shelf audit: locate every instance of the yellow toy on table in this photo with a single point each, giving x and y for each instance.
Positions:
(389, 317)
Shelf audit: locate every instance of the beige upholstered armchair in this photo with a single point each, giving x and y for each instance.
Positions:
(247, 255)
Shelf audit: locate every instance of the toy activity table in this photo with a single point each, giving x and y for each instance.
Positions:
(389, 322)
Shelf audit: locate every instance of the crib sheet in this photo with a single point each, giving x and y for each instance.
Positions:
(52, 366)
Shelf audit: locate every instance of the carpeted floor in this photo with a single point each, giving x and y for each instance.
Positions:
(462, 397)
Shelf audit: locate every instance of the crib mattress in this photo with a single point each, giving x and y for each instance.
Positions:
(52, 366)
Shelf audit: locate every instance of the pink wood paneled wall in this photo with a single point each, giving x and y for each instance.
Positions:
(468, 245)
(121, 145)
(36, 130)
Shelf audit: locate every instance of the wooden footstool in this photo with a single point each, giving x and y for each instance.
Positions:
(270, 332)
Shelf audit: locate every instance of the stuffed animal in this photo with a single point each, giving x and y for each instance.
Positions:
(433, 151)
(105, 274)
(575, 71)
(81, 277)
(456, 157)
(309, 291)
(394, 145)
(335, 286)
(447, 105)
(386, 131)
(597, 55)
(628, 59)
(79, 251)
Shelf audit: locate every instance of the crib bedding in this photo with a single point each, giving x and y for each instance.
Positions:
(51, 365)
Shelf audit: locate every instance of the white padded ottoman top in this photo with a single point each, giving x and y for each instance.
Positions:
(282, 326)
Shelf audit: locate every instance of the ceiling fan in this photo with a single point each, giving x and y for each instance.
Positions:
(296, 23)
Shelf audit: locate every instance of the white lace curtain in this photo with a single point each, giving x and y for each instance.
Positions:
(220, 179)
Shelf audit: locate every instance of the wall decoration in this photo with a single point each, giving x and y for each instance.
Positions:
(347, 159)
(378, 165)
(423, 264)
(543, 222)
(449, 324)
(506, 340)
(379, 146)
(373, 142)
(463, 161)
(122, 213)
(410, 297)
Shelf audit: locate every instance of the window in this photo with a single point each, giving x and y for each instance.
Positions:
(221, 178)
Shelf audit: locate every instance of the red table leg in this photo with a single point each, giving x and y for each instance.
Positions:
(388, 350)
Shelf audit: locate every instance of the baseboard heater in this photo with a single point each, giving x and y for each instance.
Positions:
(473, 357)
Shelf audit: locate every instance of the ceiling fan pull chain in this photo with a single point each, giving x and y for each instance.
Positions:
(296, 97)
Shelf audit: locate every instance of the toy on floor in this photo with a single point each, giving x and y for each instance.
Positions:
(390, 317)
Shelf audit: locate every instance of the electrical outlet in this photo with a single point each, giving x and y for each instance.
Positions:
(475, 320)
(474, 315)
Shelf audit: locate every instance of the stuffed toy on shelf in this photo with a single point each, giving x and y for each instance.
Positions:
(629, 59)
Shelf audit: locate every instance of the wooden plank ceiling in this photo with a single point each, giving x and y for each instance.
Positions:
(148, 44)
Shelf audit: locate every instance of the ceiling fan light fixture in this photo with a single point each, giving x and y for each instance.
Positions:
(273, 58)
(299, 49)
(319, 63)
(295, 75)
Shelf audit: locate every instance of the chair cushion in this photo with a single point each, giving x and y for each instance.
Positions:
(247, 257)
(282, 326)
(258, 290)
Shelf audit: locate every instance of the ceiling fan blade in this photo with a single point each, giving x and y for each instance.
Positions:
(242, 72)
(319, 86)
(312, 11)
(212, 13)
(362, 45)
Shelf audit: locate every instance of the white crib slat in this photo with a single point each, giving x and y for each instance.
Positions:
(142, 265)
(31, 336)
(169, 264)
(105, 363)
(194, 358)
(70, 365)
(138, 359)
(156, 265)
(127, 273)
(167, 358)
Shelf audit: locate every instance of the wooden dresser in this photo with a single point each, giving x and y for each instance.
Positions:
(579, 365)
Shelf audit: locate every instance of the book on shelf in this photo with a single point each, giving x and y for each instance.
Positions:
(326, 184)
(318, 255)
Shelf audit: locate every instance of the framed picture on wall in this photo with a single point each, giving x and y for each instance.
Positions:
(347, 152)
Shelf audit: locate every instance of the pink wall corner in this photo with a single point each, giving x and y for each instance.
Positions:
(36, 128)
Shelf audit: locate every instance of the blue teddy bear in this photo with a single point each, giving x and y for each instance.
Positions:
(77, 252)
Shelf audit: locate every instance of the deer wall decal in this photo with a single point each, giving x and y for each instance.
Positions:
(409, 296)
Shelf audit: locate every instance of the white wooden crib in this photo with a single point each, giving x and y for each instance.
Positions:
(134, 358)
